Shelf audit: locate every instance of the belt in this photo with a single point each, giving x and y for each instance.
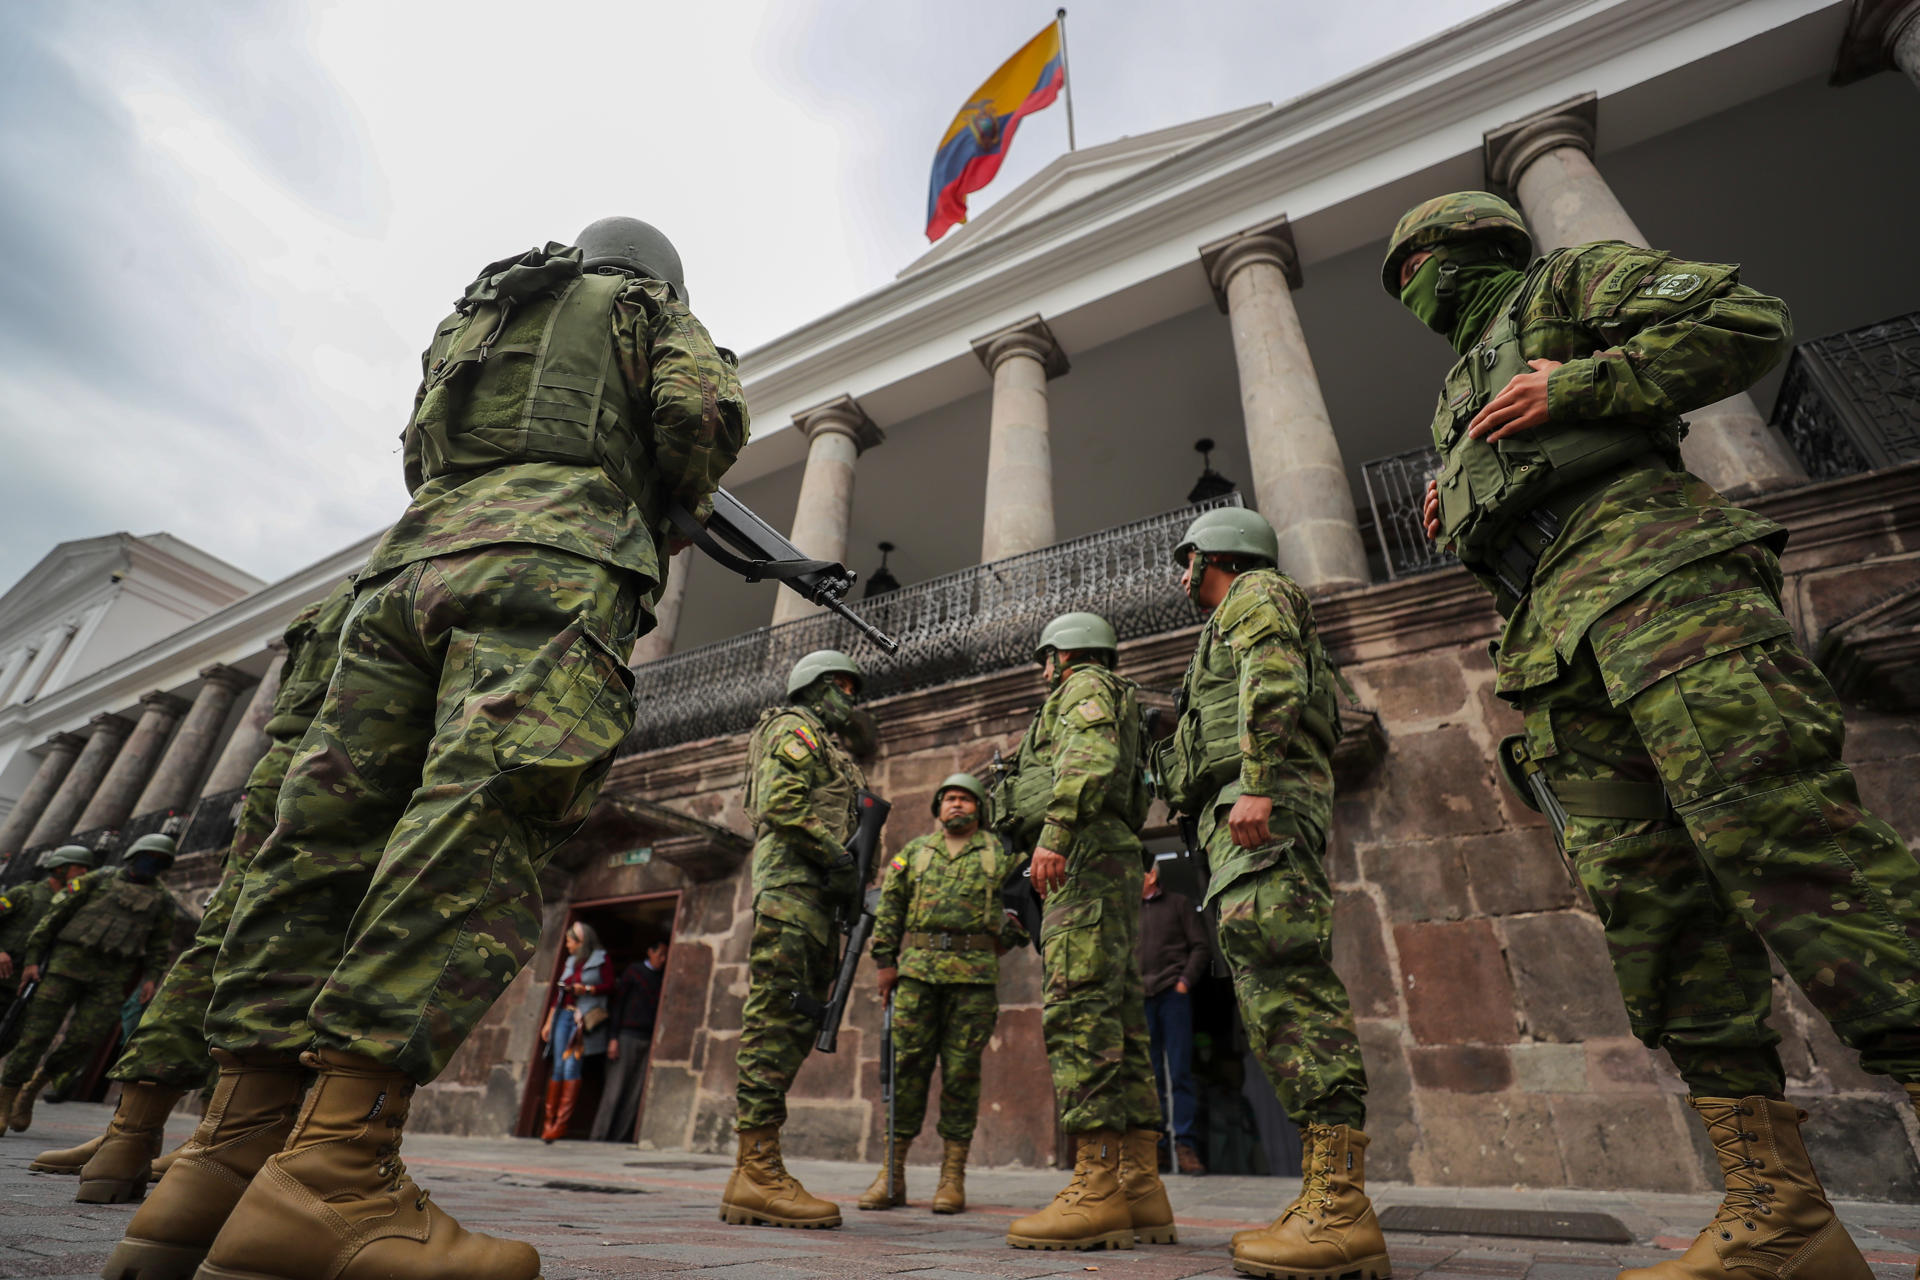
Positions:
(948, 940)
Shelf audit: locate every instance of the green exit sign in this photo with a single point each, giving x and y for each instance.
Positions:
(632, 857)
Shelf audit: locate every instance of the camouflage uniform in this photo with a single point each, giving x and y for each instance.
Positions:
(940, 923)
(1260, 718)
(481, 690)
(1666, 702)
(169, 1046)
(1077, 789)
(100, 934)
(800, 795)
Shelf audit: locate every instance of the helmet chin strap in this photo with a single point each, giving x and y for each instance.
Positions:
(1196, 570)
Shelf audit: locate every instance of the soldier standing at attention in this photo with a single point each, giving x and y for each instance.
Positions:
(167, 1055)
(1252, 759)
(801, 782)
(480, 695)
(105, 930)
(21, 908)
(1078, 796)
(1692, 751)
(937, 945)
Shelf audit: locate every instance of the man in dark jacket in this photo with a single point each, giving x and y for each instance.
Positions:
(636, 1000)
(1173, 955)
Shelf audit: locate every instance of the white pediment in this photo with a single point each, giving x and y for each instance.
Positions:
(63, 574)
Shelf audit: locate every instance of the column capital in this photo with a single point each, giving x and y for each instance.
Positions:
(1031, 338)
(1873, 28)
(1270, 242)
(164, 703)
(1509, 149)
(64, 742)
(841, 415)
(232, 677)
(108, 723)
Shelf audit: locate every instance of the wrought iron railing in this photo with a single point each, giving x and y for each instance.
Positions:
(211, 824)
(1850, 402)
(978, 620)
(1397, 493)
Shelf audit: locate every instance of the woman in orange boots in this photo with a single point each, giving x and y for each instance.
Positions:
(575, 1027)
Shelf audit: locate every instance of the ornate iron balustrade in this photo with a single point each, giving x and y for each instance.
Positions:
(1850, 402)
(968, 623)
(211, 824)
(1397, 492)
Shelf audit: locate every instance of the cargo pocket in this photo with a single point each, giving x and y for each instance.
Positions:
(792, 909)
(1070, 946)
(1641, 642)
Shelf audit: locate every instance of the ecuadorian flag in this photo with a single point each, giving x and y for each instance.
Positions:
(979, 136)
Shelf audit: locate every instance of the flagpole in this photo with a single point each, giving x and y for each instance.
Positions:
(1066, 73)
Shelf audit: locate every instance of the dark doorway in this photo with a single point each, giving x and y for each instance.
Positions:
(627, 927)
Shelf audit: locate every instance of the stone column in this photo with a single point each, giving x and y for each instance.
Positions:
(57, 822)
(1299, 478)
(112, 804)
(249, 740)
(1547, 161)
(1881, 35)
(171, 786)
(837, 433)
(1021, 359)
(54, 764)
(658, 643)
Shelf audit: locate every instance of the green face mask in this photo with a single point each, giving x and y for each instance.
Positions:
(960, 823)
(831, 703)
(1457, 289)
(1422, 295)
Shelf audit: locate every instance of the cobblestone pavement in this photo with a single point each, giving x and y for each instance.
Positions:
(595, 1209)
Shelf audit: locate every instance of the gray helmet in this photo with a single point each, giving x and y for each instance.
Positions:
(1076, 631)
(1230, 531)
(67, 855)
(156, 843)
(819, 663)
(960, 782)
(633, 245)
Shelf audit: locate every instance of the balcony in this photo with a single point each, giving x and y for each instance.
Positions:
(964, 624)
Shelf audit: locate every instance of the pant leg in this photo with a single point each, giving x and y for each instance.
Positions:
(1093, 1018)
(620, 1097)
(919, 1009)
(783, 957)
(1276, 930)
(93, 1022)
(1178, 1038)
(47, 1009)
(1140, 1096)
(972, 1010)
(1157, 1054)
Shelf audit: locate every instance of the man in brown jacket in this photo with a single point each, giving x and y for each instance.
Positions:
(1173, 956)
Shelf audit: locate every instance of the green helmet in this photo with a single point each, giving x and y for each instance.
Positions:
(1459, 217)
(1074, 631)
(155, 843)
(67, 855)
(819, 663)
(960, 782)
(632, 245)
(1230, 531)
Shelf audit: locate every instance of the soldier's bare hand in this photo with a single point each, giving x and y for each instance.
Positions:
(1430, 512)
(1521, 405)
(1049, 871)
(613, 1049)
(147, 989)
(1248, 821)
(30, 974)
(887, 978)
(6, 966)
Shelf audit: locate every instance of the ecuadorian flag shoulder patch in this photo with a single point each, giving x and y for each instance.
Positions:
(899, 863)
(800, 732)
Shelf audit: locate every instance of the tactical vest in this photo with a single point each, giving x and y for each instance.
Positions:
(523, 371)
(117, 919)
(989, 866)
(1024, 794)
(831, 799)
(1486, 489)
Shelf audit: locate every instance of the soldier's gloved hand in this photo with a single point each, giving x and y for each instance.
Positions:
(30, 974)
(843, 883)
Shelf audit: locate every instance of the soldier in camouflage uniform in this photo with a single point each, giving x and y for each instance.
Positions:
(1252, 760)
(107, 930)
(1077, 796)
(167, 1053)
(801, 784)
(1687, 751)
(567, 403)
(22, 906)
(937, 942)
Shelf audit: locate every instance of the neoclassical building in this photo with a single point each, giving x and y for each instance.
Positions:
(1016, 416)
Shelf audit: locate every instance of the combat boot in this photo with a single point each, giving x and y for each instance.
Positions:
(20, 1114)
(1775, 1219)
(118, 1171)
(1146, 1195)
(762, 1191)
(247, 1120)
(8, 1092)
(338, 1204)
(69, 1161)
(951, 1195)
(882, 1196)
(1306, 1164)
(1329, 1232)
(1091, 1211)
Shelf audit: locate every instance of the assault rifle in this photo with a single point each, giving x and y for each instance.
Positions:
(856, 920)
(756, 551)
(16, 1013)
(887, 1091)
(1017, 897)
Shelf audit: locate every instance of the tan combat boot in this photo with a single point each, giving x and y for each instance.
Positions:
(118, 1171)
(1306, 1164)
(951, 1195)
(762, 1191)
(882, 1196)
(1775, 1219)
(69, 1161)
(252, 1110)
(337, 1203)
(1146, 1194)
(1091, 1211)
(20, 1114)
(1329, 1231)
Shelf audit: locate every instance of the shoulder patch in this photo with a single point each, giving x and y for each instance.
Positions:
(1091, 711)
(794, 750)
(899, 862)
(1673, 285)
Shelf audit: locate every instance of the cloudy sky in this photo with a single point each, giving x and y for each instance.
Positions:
(234, 224)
